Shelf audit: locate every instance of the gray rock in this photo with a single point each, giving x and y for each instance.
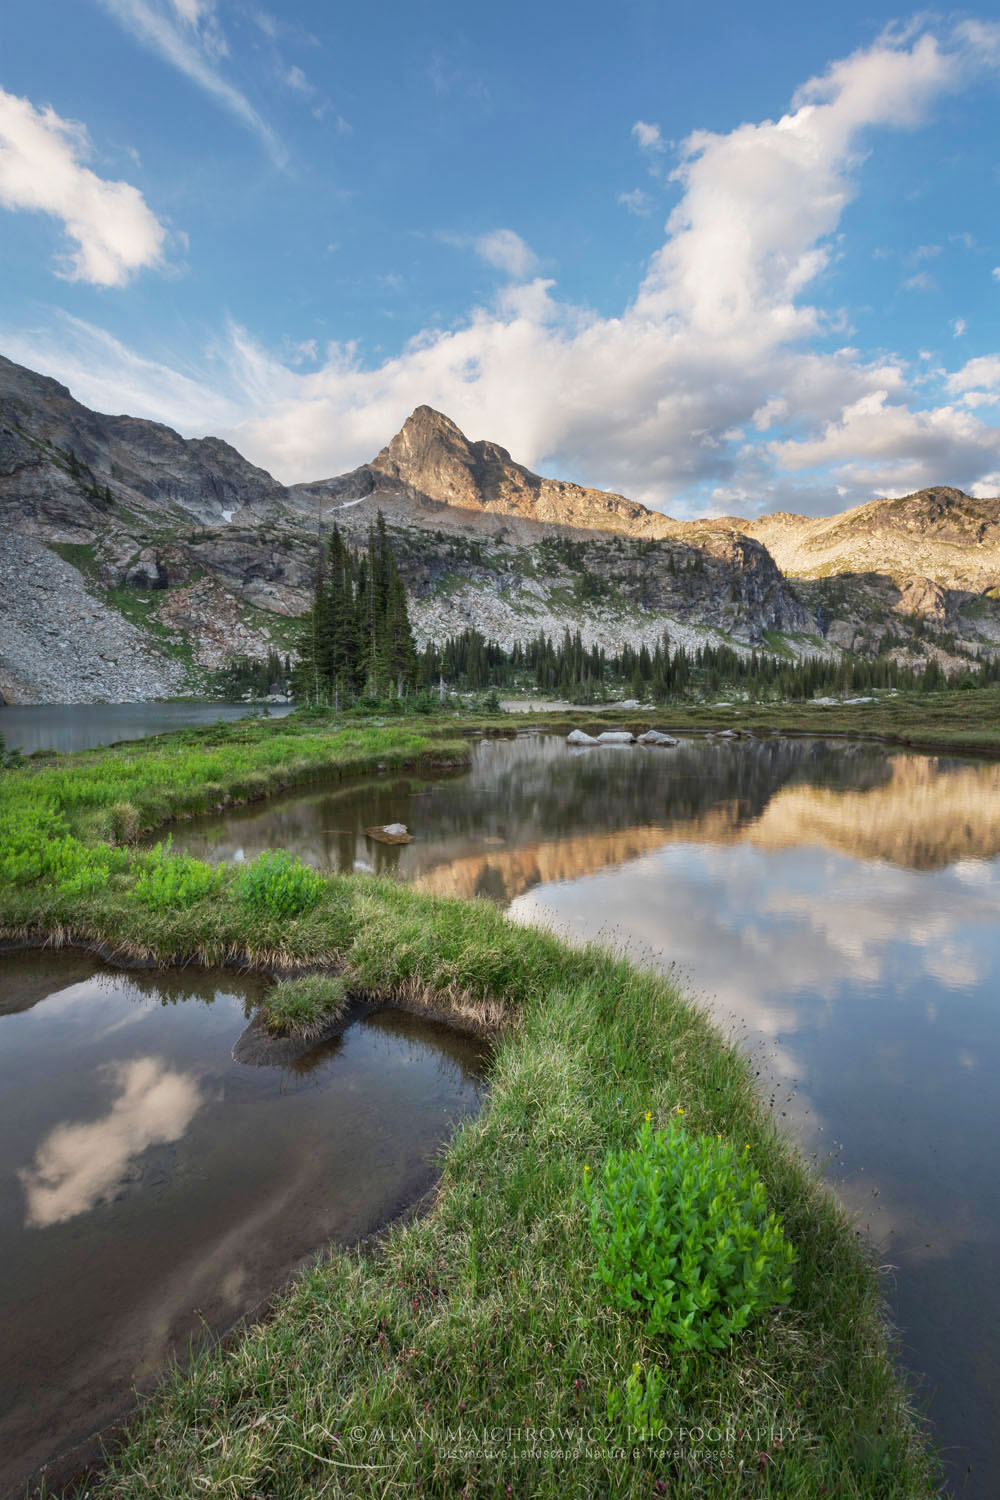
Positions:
(656, 737)
(577, 737)
(616, 737)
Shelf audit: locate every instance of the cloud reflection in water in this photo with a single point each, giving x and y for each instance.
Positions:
(78, 1166)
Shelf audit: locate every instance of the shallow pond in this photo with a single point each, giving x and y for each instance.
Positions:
(82, 726)
(152, 1188)
(836, 905)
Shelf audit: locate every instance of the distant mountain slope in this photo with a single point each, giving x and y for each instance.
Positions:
(202, 555)
(940, 534)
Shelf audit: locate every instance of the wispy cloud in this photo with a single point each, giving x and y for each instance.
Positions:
(187, 35)
(636, 201)
(649, 137)
(506, 251)
(114, 232)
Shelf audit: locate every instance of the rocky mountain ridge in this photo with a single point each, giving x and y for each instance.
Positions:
(201, 555)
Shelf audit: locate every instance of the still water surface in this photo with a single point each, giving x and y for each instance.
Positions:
(82, 726)
(836, 905)
(151, 1187)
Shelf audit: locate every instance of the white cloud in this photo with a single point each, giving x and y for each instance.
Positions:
(506, 251)
(889, 447)
(923, 281)
(113, 231)
(648, 137)
(715, 341)
(186, 34)
(983, 372)
(636, 201)
(958, 327)
(106, 375)
(772, 411)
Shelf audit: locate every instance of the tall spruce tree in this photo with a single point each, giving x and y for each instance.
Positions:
(356, 637)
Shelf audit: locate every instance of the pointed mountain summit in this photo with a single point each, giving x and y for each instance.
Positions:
(434, 459)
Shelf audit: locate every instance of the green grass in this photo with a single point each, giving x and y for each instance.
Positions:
(305, 1007)
(777, 644)
(80, 555)
(485, 1313)
(379, 1369)
(138, 606)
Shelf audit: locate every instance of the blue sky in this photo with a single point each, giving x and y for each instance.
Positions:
(722, 261)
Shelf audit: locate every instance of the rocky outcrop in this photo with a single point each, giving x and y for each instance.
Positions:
(939, 533)
(72, 466)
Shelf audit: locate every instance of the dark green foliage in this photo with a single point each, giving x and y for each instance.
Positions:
(10, 760)
(256, 675)
(587, 674)
(356, 638)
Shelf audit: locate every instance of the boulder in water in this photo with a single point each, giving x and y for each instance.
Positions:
(390, 833)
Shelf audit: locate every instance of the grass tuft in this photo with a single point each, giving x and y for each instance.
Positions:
(304, 1008)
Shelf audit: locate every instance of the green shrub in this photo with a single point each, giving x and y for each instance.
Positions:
(684, 1238)
(168, 882)
(275, 885)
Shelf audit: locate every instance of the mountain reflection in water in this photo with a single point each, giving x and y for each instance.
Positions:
(530, 812)
(834, 904)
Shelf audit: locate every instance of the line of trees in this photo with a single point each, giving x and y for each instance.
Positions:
(572, 670)
(356, 639)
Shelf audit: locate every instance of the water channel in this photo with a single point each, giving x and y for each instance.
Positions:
(83, 726)
(836, 907)
(152, 1189)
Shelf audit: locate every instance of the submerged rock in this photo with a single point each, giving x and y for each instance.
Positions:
(390, 833)
(656, 737)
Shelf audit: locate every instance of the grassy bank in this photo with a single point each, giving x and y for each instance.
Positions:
(471, 1352)
(961, 722)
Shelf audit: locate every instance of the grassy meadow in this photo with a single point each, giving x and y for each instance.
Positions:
(469, 1351)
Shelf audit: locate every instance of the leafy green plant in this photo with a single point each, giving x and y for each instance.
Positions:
(276, 885)
(684, 1237)
(638, 1405)
(168, 882)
